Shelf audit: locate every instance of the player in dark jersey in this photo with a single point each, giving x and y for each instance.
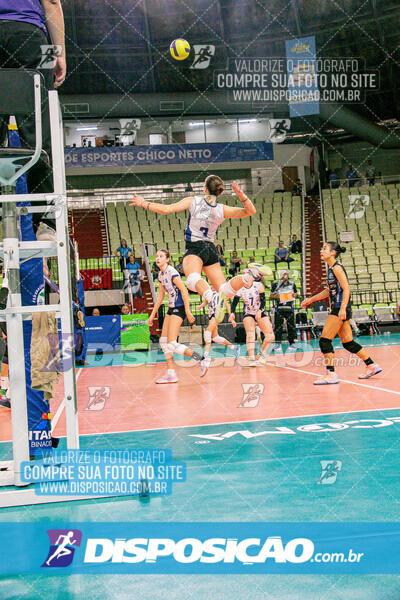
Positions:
(337, 323)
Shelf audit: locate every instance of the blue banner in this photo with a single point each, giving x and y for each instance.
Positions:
(168, 154)
(302, 76)
(199, 548)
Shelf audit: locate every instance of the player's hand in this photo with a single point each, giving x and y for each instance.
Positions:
(258, 315)
(342, 314)
(232, 319)
(59, 71)
(150, 321)
(238, 190)
(305, 304)
(190, 317)
(138, 200)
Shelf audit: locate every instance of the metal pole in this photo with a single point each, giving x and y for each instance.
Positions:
(64, 275)
(15, 338)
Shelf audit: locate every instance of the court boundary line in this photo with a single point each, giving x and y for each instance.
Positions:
(368, 410)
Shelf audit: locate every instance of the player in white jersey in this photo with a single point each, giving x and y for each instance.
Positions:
(178, 307)
(254, 313)
(211, 335)
(205, 216)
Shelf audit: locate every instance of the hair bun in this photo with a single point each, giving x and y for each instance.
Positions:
(343, 249)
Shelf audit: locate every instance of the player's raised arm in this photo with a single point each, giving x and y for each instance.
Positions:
(161, 209)
(233, 212)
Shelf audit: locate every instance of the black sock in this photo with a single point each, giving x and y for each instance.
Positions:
(332, 369)
(369, 361)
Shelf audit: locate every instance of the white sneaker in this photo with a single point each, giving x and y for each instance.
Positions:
(168, 378)
(204, 365)
(292, 347)
(372, 370)
(219, 305)
(329, 378)
(276, 347)
(45, 233)
(253, 363)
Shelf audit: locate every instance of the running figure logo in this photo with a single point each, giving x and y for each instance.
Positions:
(251, 394)
(49, 56)
(330, 470)
(98, 396)
(357, 206)
(63, 543)
(203, 56)
(277, 130)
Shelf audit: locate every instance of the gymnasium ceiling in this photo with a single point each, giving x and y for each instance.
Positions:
(122, 46)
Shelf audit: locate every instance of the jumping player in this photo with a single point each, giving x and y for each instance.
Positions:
(205, 216)
(211, 335)
(254, 314)
(178, 307)
(338, 322)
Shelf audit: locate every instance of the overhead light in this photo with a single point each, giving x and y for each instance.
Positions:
(197, 124)
(86, 128)
(247, 120)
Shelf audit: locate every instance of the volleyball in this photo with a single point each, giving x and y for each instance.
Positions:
(180, 49)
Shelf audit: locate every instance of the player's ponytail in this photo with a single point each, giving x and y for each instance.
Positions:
(335, 247)
(214, 185)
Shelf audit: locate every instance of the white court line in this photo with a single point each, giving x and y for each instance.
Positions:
(347, 412)
(372, 387)
(61, 408)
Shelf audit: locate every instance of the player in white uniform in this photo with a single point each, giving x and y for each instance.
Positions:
(254, 313)
(171, 283)
(211, 335)
(205, 216)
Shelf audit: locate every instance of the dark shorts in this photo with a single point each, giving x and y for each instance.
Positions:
(204, 250)
(177, 311)
(263, 314)
(336, 309)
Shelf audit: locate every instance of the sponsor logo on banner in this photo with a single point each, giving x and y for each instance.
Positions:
(63, 543)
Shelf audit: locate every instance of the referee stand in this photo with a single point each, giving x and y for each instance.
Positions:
(24, 90)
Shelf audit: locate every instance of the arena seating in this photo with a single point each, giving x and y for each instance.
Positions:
(372, 261)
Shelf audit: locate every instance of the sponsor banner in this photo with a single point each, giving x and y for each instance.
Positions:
(302, 77)
(168, 154)
(135, 333)
(199, 548)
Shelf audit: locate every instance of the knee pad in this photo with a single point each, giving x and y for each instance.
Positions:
(164, 346)
(218, 339)
(207, 337)
(352, 347)
(175, 347)
(326, 345)
(227, 289)
(192, 281)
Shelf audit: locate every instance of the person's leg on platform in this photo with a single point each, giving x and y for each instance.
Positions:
(291, 329)
(278, 329)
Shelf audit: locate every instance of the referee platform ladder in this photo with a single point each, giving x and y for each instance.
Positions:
(25, 90)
